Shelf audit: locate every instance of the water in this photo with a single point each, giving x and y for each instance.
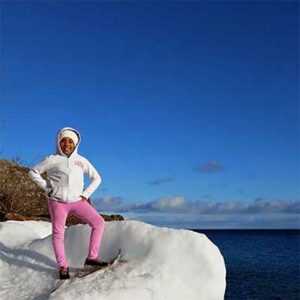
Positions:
(260, 264)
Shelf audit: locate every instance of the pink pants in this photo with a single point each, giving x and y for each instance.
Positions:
(59, 212)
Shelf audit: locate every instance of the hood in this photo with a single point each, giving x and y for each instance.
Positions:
(58, 149)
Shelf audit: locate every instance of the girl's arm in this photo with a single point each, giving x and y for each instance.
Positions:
(35, 175)
(96, 180)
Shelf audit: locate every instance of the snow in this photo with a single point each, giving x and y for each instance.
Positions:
(161, 263)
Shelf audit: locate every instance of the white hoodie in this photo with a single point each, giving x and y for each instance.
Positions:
(66, 174)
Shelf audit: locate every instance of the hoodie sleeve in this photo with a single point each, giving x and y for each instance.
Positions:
(35, 175)
(95, 177)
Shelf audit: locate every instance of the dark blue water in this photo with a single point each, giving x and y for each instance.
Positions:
(260, 264)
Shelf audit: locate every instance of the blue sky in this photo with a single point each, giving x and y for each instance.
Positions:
(189, 110)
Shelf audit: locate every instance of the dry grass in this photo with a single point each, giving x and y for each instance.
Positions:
(18, 193)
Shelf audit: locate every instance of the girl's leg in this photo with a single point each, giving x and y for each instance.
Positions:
(59, 214)
(84, 211)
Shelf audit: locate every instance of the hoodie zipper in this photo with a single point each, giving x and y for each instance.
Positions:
(68, 158)
(68, 161)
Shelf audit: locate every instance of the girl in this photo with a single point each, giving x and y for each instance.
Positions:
(66, 194)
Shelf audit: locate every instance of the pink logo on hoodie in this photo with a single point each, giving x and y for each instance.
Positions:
(79, 163)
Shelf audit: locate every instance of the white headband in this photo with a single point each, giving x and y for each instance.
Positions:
(70, 134)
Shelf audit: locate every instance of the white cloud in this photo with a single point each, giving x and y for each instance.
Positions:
(108, 202)
(218, 221)
(180, 204)
(170, 203)
(179, 212)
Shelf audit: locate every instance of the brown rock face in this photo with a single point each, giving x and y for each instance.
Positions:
(72, 220)
(18, 194)
(22, 200)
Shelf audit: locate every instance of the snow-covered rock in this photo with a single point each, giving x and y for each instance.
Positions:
(15, 233)
(162, 264)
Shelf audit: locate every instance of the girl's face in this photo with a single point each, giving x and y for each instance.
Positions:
(67, 146)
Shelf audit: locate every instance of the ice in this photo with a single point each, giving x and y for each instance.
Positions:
(161, 263)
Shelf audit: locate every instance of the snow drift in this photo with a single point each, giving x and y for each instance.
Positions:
(162, 263)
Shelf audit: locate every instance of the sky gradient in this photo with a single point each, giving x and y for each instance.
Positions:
(189, 110)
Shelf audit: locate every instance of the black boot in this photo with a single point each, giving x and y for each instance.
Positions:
(95, 262)
(64, 273)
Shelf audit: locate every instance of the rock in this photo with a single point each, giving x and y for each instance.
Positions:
(18, 193)
(72, 220)
(113, 217)
(17, 217)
